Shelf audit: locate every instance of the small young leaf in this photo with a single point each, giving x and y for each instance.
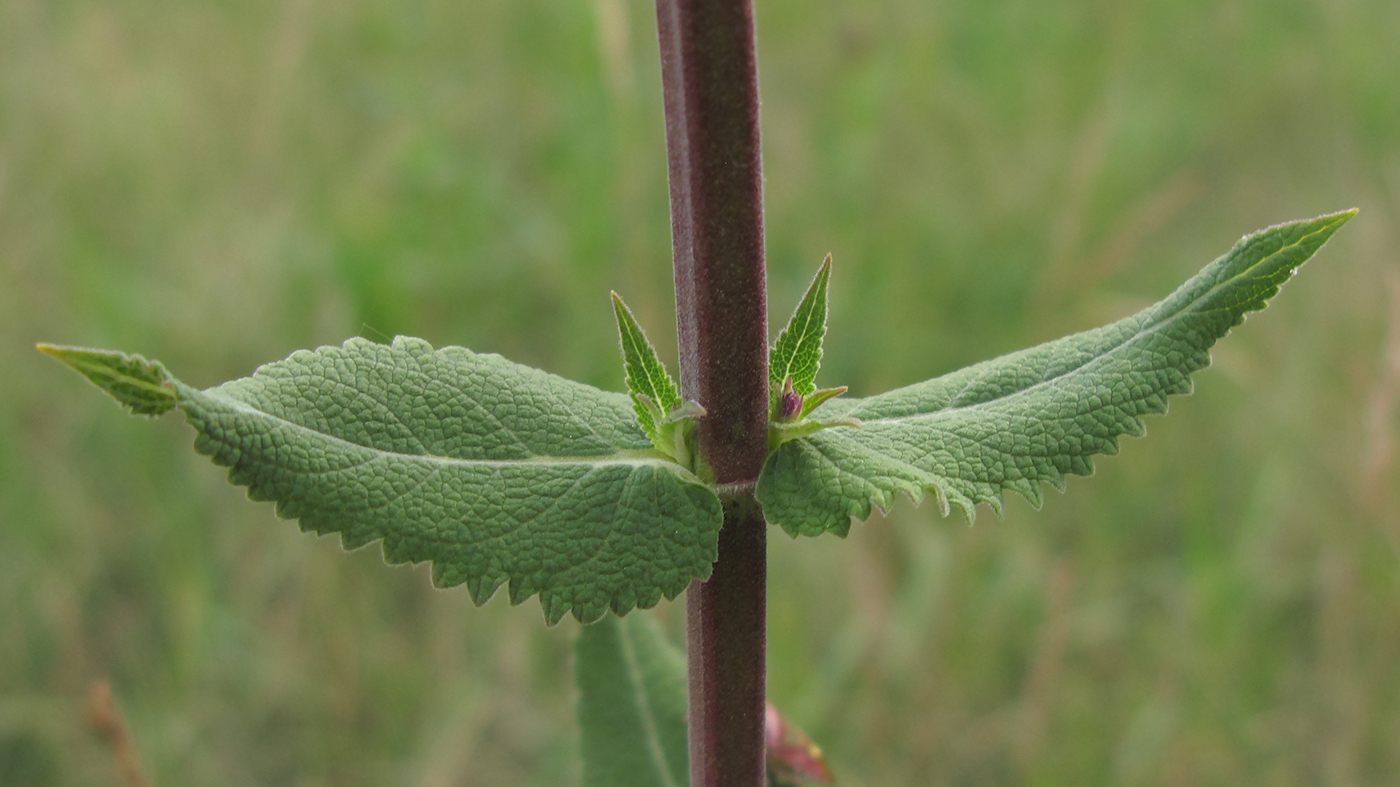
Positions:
(143, 387)
(688, 409)
(1032, 416)
(632, 705)
(798, 351)
(646, 376)
(779, 432)
(495, 472)
(816, 398)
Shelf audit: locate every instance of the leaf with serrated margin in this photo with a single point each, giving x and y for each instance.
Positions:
(495, 472)
(798, 351)
(1032, 416)
(646, 375)
(632, 705)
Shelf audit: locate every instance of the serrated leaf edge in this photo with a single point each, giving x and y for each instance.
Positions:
(883, 500)
(646, 377)
(806, 327)
(181, 395)
(481, 589)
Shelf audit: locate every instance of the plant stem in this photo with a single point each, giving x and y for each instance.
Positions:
(710, 89)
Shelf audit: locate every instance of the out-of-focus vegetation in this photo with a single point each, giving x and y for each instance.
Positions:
(217, 184)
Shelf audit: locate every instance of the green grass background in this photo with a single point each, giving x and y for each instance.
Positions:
(216, 184)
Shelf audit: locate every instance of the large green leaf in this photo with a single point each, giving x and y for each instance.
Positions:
(632, 705)
(1032, 416)
(495, 472)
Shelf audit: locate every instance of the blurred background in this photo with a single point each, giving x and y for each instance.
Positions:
(216, 184)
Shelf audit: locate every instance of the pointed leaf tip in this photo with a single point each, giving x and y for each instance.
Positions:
(798, 351)
(1030, 417)
(646, 376)
(1342, 216)
(471, 462)
(818, 397)
(142, 386)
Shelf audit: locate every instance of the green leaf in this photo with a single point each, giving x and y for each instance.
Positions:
(647, 378)
(495, 472)
(779, 433)
(142, 386)
(632, 705)
(1032, 416)
(817, 398)
(798, 351)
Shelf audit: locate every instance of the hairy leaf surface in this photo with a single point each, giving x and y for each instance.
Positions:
(632, 705)
(798, 351)
(496, 472)
(143, 387)
(1032, 416)
(646, 375)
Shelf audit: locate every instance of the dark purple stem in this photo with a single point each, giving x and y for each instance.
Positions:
(710, 87)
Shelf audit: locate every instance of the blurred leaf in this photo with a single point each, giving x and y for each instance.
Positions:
(632, 705)
(1033, 415)
(493, 471)
(793, 759)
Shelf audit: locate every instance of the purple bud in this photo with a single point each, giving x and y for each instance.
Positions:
(789, 403)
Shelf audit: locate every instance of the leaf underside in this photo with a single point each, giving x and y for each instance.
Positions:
(143, 387)
(1032, 416)
(495, 472)
(631, 706)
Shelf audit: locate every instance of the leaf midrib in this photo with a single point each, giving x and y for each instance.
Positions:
(653, 736)
(636, 457)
